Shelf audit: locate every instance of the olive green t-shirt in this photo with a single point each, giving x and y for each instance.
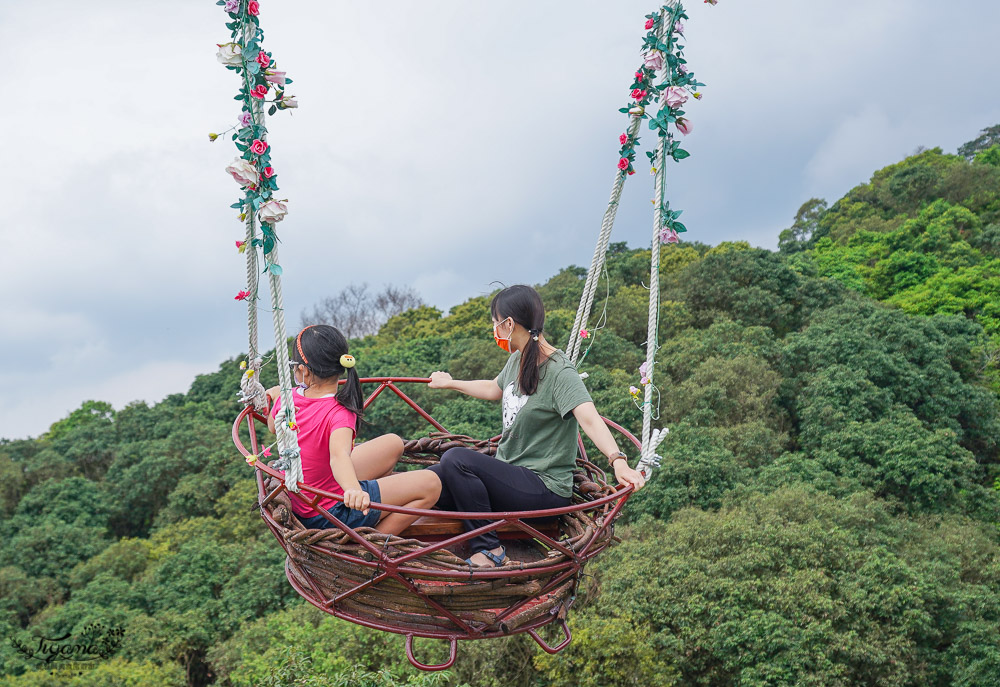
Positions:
(539, 431)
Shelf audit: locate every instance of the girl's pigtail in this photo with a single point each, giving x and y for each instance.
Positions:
(350, 395)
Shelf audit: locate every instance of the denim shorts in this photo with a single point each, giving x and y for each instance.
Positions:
(352, 518)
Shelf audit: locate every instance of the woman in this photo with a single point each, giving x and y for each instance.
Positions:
(544, 405)
(327, 419)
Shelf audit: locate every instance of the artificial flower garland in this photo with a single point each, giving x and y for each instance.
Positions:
(252, 170)
(677, 86)
(673, 91)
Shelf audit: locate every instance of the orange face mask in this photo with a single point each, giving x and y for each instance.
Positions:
(502, 343)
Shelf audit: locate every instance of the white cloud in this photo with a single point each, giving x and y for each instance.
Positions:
(32, 413)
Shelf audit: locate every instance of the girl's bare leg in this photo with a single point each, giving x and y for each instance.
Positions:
(414, 489)
(377, 457)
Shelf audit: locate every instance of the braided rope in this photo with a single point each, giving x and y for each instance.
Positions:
(600, 254)
(654, 297)
(288, 442)
(252, 391)
(601, 250)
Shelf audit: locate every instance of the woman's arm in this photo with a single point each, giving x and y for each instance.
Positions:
(595, 428)
(343, 470)
(485, 389)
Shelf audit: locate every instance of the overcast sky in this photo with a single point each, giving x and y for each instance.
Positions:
(441, 144)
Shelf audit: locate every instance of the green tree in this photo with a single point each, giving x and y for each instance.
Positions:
(797, 236)
(988, 137)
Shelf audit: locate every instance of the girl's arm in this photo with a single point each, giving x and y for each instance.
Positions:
(485, 389)
(343, 470)
(595, 428)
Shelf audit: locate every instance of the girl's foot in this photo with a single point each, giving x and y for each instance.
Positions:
(487, 558)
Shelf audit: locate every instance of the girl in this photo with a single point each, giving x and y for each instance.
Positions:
(327, 420)
(544, 405)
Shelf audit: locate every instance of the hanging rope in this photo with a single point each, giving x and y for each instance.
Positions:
(574, 344)
(261, 79)
(251, 388)
(600, 254)
(672, 92)
(285, 427)
(654, 294)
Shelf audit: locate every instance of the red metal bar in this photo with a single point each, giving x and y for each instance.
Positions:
(535, 534)
(423, 666)
(552, 584)
(545, 646)
(420, 411)
(375, 394)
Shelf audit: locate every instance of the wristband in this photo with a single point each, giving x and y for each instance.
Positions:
(618, 456)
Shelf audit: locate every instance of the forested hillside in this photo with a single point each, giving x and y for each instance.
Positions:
(826, 514)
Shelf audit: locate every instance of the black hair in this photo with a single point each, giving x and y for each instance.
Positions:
(523, 304)
(319, 347)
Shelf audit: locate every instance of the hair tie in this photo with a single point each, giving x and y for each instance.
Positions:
(534, 334)
(347, 361)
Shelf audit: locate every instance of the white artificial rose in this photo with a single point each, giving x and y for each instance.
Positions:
(272, 211)
(230, 54)
(243, 172)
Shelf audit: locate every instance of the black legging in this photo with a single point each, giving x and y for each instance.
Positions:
(475, 482)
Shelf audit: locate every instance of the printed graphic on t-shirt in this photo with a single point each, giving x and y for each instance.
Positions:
(512, 404)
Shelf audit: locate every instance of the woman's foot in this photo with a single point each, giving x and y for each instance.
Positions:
(488, 558)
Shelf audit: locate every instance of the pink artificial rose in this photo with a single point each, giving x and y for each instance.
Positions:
(645, 374)
(712, 2)
(683, 125)
(674, 97)
(242, 295)
(259, 91)
(288, 102)
(584, 334)
(631, 172)
(679, 27)
(623, 163)
(653, 60)
(263, 59)
(245, 119)
(639, 76)
(623, 139)
(242, 171)
(275, 77)
(669, 236)
(638, 93)
(682, 68)
(268, 172)
(650, 23)
(253, 7)
(258, 147)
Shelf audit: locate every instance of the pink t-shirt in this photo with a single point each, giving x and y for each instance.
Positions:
(316, 419)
